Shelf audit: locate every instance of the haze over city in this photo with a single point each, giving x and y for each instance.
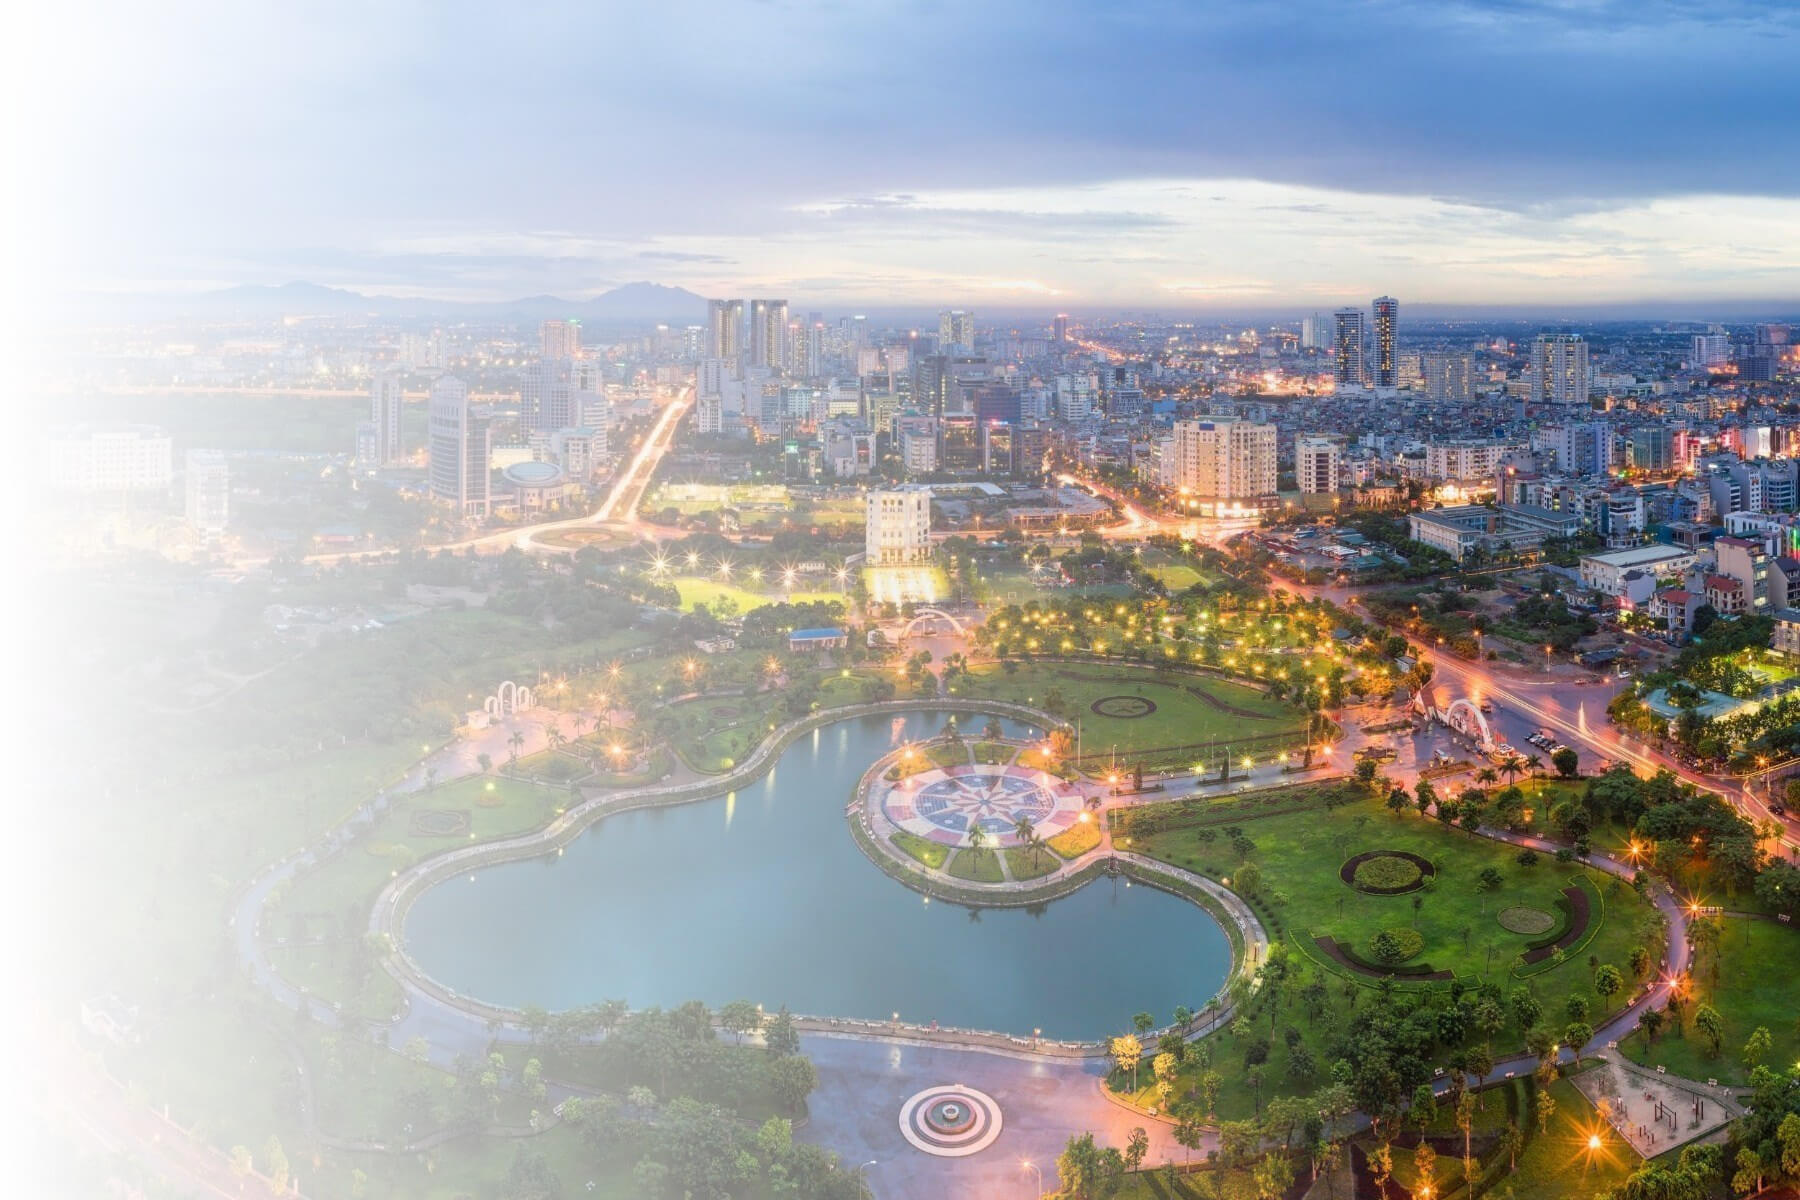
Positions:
(817, 601)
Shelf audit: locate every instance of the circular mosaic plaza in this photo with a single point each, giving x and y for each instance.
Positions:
(950, 1120)
(942, 804)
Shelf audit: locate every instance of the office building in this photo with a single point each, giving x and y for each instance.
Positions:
(208, 492)
(385, 402)
(1347, 348)
(560, 338)
(1219, 459)
(1558, 370)
(1316, 332)
(459, 448)
(768, 333)
(1386, 311)
(899, 527)
(1651, 448)
(1316, 464)
(108, 458)
(547, 396)
(725, 330)
(956, 332)
(1710, 350)
(1059, 329)
(1448, 376)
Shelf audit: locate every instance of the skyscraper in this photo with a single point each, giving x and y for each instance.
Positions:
(459, 449)
(1347, 348)
(1315, 332)
(1559, 369)
(956, 332)
(768, 333)
(1387, 362)
(725, 329)
(547, 397)
(1059, 329)
(1449, 375)
(385, 401)
(560, 338)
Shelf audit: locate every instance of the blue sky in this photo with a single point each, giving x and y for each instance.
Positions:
(1167, 154)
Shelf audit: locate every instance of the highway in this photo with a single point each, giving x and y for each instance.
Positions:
(618, 511)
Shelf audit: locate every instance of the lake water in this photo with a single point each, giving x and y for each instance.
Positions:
(762, 895)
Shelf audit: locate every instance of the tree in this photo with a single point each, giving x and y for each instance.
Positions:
(1652, 1022)
(740, 1017)
(1126, 1052)
(1189, 1133)
(277, 1161)
(1396, 801)
(781, 1039)
(1272, 1176)
(1491, 880)
(1757, 1047)
(1546, 1109)
(793, 1079)
(1608, 983)
(1566, 761)
(1425, 1167)
(1512, 1140)
(1711, 1026)
(1576, 1035)
(241, 1163)
(1136, 1147)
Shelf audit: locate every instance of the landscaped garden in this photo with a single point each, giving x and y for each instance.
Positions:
(1157, 719)
(1361, 902)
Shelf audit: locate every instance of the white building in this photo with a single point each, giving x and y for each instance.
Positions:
(899, 526)
(956, 331)
(1558, 370)
(1316, 464)
(459, 446)
(208, 492)
(560, 339)
(1222, 459)
(1448, 375)
(108, 458)
(1710, 350)
(1466, 458)
(1606, 573)
(768, 333)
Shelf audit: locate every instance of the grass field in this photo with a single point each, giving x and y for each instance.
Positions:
(696, 590)
(1180, 717)
(931, 854)
(977, 866)
(1754, 986)
(1026, 864)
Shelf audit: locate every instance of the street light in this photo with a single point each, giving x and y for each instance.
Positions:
(1027, 1164)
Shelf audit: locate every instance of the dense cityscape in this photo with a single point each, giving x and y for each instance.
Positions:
(1066, 620)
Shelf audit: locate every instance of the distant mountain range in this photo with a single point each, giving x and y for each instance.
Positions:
(629, 302)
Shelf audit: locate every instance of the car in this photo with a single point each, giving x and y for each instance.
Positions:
(1778, 809)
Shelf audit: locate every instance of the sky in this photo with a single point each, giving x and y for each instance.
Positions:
(1120, 154)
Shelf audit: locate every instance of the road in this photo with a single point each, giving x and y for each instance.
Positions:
(617, 512)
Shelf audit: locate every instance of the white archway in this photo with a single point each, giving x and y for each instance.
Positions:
(507, 699)
(1466, 718)
(928, 614)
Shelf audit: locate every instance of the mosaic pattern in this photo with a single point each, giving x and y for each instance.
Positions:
(950, 1121)
(944, 803)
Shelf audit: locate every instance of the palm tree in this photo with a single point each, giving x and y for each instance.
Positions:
(1487, 776)
(515, 743)
(1027, 834)
(977, 838)
(1534, 764)
(1512, 766)
(555, 737)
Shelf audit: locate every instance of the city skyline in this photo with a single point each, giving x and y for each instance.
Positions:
(1270, 192)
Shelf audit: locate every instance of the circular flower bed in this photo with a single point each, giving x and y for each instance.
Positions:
(1391, 946)
(1123, 708)
(1387, 872)
(440, 822)
(1522, 919)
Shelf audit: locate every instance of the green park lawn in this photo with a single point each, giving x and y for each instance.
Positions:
(1752, 987)
(1076, 840)
(1022, 863)
(977, 866)
(696, 590)
(1181, 718)
(1300, 896)
(315, 903)
(1556, 1163)
(924, 850)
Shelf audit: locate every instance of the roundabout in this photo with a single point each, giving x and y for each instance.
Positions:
(942, 804)
(950, 1121)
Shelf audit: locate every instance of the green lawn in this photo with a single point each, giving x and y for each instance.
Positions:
(1298, 855)
(931, 854)
(977, 866)
(1180, 718)
(696, 590)
(1022, 863)
(1753, 986)
(1076, 840)
(1556, 1163)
